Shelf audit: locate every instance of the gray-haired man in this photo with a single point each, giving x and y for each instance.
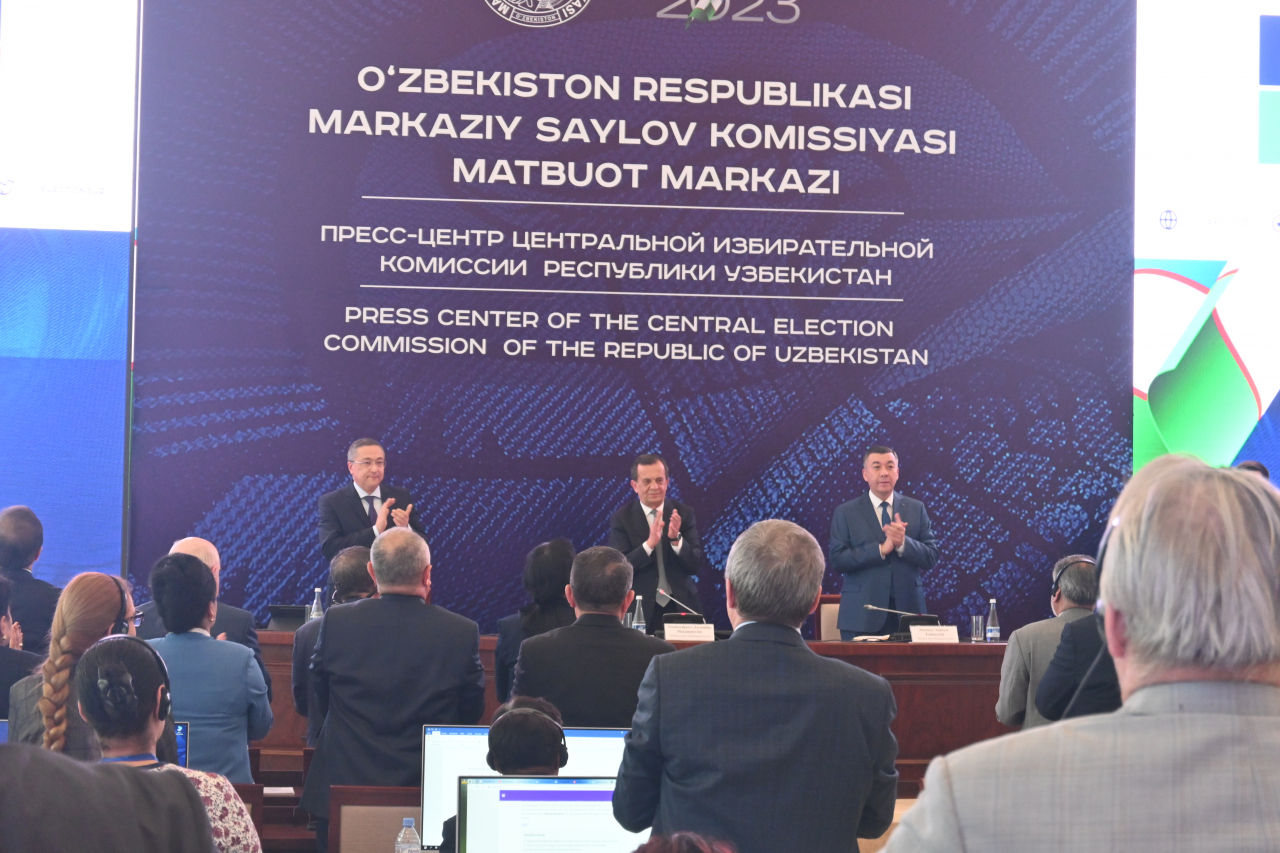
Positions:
(1073, 593)
(1191, 761)
(758, 740)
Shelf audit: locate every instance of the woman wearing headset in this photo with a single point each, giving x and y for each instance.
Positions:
(123, 692)
(42, 707)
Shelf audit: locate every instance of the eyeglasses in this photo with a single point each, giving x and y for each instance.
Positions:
(137, 619)
(370, 463)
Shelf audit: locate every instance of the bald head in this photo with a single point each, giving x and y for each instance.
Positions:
(202, 550)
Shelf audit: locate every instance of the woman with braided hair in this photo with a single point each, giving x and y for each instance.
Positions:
(42, 707)
(123, 690)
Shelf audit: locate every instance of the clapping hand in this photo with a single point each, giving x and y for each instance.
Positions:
(401, 516)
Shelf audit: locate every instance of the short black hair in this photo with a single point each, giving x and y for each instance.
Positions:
(648, 459)
(183, 587)
(1254, 466)
(21, 537)
(6, 592)
(600, 578)
(363, 442)
(349, 573)
(116, 683)
(524, 740)
(874, 449)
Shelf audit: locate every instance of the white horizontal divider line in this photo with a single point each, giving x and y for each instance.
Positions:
(631, 293)
(640, 206)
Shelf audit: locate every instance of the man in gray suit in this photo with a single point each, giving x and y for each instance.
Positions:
(1074, 593)
(757, 740)
(1191, 761)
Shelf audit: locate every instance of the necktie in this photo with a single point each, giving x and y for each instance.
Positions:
(884, 513)
(662, 599)
(373, 513)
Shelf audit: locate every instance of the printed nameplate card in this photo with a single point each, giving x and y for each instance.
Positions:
(934, 634)
(677, 633)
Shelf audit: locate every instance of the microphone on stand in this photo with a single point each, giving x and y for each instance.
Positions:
(662, 591)
(899, 612)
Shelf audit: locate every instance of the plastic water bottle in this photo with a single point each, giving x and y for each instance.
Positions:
(408, 841)
(317, 609)
(993, 624)
(638, 621)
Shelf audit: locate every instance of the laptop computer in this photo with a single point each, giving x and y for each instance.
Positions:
(540, 814)
(449, 752)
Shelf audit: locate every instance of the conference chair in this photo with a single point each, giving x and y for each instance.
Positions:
(364, 819)
(254, 800)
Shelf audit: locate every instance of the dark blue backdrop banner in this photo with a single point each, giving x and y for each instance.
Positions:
(522, 254)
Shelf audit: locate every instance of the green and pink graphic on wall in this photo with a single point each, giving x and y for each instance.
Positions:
(1193, 392)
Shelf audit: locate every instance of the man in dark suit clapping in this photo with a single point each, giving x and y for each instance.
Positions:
(880, 542)
(757, 740)
(356, 513)
(660, 539)
(382, 669)
(591, 669)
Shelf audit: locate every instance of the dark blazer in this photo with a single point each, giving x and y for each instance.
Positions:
(759, 741)
(510, 636)
(854, 551)
(628, 530)
(590, 670)
(304, 646)
(32, 603)
(344, 518)
(383, 668)
(14, 666)
(52, 802)
(1081, 641)
(236, 623)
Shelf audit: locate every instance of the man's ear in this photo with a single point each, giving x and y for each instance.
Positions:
(155, 712)
(371, 574)
(816, 601)
(729, 598)
(629, 600)
(1117, 634)
(568, 596)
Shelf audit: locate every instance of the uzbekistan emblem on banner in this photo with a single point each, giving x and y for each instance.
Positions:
(538, 13)
(705, 10)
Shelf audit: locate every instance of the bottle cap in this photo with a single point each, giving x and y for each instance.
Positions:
(408, 822)
(993, 601)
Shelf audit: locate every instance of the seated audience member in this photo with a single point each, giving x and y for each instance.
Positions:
(546, 573)
(1191, 762)
(15, 664)
(1256, 467)
(591, 669)
(1073, 593)
(42, 707)
(49, 802)
(217, 687)
(233, 623)
(758, 740)
(124, 694)
(383, 668)
(33, 601)
(1060, 694)
(349, 576)
(529, 743)
(684, 842)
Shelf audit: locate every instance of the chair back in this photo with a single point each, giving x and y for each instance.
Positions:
(368, 819)
(254, 800)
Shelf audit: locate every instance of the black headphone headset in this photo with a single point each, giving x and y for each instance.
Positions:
(564, 747)
(1057, 576)
(166, 698)
(121, 625)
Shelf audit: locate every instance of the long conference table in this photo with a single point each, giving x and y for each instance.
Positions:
(946, 695)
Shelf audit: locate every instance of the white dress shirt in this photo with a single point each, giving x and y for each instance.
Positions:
(377, 499)
(875, 505)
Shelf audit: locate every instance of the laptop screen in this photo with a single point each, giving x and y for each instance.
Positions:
(184, 732)
(540, 814)
(452, 751)
(4, 730)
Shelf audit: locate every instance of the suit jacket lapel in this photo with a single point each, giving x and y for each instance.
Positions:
(869, 515)
(357, 507)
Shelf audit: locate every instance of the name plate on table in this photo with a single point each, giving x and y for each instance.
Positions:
(934, 634)
(678, 633)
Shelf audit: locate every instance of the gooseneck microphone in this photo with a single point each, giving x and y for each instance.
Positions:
(899, 612)
(678, 601)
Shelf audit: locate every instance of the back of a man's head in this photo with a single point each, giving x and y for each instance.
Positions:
(600, 579)
(202, 549)
(399, 557)
(1077, 579)
(349, 573)
(776, 569)
(183, 587)
(21, 538)
(526, 734)
(1193, 566)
